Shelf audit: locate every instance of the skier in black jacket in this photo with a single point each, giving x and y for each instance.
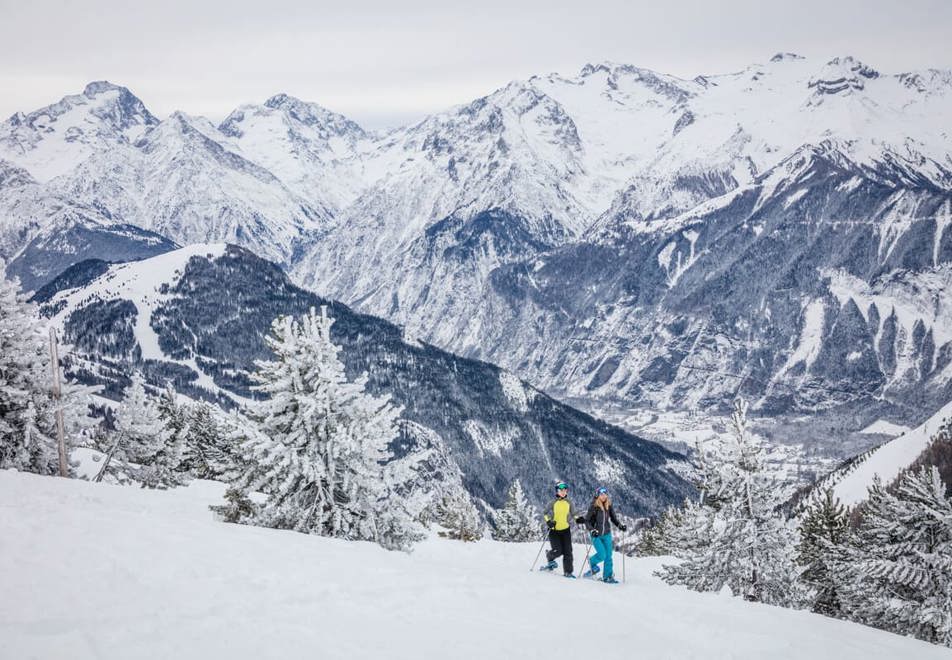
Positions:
(599, 521)
(558, 517)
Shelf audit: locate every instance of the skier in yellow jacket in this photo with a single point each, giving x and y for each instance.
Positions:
(559, 515)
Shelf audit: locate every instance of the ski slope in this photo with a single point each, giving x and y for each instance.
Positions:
(889, 459)
(99, 571)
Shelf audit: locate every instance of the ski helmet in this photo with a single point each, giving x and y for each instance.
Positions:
(561, 486)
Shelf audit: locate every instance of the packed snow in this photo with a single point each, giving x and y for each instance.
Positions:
(101, 571)
(883, 427)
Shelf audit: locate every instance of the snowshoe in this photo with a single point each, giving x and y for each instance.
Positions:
(551, 566)
(609, 579)
(570, 576)
(592, 572)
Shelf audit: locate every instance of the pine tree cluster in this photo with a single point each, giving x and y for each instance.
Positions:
(28, 436)
(887, 565)
(517, 520)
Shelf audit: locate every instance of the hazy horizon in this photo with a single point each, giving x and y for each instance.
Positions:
(383, 65)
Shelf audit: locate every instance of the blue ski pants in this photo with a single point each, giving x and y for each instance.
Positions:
(603, 553)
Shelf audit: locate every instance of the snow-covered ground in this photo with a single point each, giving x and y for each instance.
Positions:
(884, 427)
(99, 571)
(888, 460)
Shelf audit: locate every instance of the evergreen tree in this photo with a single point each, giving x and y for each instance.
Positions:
(28, 437)
(897, 573)
(317, 446)
(209, 452)
(143, 449)
(458, 516)
(823, 532)
(174, 418)
(657, 539)
(517, 520)
(735, 538)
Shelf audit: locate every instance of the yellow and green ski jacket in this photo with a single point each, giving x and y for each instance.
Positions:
(561, 511)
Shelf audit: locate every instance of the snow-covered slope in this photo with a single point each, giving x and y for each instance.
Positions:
(197, 317)
(51, 141)
(98, 571)
(309, 148)
(886, 461)
(184, 180)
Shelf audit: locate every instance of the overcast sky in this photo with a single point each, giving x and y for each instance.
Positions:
(387, 62)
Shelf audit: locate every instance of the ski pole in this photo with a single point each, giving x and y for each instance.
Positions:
(623, 577)
(545, 537)
(588, 543)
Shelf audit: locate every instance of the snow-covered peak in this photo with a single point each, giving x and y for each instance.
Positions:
(312, 114)
(842, 75)
(786, 57)
(311, 149)
(52, 140)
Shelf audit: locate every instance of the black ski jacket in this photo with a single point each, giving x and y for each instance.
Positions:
(600, 520)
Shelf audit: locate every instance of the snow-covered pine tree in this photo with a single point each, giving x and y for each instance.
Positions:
(27, 407)
(209, 453)
(458, 516)
(655, 540)
(897, 574)
(517, 520)
(824, 529)
(317, 446)
(173, 416)
(143, 448)
(742, 542)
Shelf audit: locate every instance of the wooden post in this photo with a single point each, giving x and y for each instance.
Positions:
(58, 397)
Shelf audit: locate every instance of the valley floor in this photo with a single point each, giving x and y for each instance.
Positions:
(98, 571)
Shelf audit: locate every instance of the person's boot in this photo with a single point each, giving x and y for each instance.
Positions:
(551, 566)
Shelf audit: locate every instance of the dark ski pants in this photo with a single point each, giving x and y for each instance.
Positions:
(561, 542)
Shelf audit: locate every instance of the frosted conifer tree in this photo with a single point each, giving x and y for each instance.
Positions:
(317, 446)
(741, 543)
(517, 520)
(143, 449)
(458, 516)
(27, 407)
(823, 531)
(670, 531)
(174, 419)
(209, 452)
(897, 574)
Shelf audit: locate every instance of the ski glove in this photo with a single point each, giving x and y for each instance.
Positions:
(580, 520)
(594, 533)
(550, 524)
(622, 528)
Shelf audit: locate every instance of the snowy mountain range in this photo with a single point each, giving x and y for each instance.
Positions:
(618, 235)
(197, 317)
